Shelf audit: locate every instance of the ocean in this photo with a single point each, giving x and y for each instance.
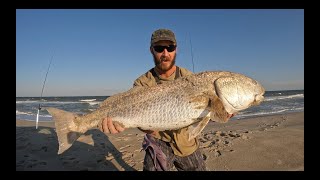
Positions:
(276, 102)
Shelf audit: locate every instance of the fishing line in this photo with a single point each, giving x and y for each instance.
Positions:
(45, 79)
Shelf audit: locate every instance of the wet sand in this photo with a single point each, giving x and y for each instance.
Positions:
(267, 143)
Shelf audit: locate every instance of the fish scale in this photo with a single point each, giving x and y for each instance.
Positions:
(190, 100)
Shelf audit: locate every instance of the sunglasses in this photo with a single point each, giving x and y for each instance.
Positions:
(160, 49)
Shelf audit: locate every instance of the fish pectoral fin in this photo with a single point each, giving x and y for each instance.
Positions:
(217, 110)
(195, 129)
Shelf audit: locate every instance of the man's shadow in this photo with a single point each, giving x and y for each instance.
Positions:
(103, 144)
(36, 149)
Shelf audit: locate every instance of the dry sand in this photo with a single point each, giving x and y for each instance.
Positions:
(267, 143)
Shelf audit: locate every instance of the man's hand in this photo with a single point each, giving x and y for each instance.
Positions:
(108, 126)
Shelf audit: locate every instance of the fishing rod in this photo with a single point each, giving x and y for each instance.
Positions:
(45, 79)
(191, 53)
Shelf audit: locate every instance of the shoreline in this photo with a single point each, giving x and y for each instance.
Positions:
(246, 144)
(50, 123)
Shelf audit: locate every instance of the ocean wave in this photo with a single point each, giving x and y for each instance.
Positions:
(87, 100)
(48, 102)
(261, 113)
(284, 97)
(94, 103)
(19, 112)
(275, 103)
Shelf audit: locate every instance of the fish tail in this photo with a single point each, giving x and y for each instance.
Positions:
(64, 123)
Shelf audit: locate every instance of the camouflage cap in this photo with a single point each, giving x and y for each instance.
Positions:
(163, 34)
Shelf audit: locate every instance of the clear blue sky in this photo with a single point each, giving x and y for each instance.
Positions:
(101, 52)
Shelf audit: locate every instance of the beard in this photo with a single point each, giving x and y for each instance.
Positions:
(163, 67)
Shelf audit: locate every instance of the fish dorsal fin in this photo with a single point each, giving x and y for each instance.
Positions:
(119, 96)
(195, 129)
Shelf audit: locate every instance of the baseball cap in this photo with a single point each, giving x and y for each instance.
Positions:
(163, 34)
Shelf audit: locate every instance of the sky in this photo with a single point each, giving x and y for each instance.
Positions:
(100, 52)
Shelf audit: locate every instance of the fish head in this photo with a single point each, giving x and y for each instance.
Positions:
(238, 92)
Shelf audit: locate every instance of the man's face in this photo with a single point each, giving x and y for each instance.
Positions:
(162, 57)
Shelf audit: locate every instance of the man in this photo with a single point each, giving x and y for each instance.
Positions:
(165, 150)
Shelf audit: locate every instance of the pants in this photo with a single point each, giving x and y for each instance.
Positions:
(192, 162)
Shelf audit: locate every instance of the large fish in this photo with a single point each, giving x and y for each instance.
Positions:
(192, 100)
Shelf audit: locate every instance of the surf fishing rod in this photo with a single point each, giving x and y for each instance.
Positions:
(191, 54)
(44, 82)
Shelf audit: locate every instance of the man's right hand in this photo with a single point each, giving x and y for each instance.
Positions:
(108, 126)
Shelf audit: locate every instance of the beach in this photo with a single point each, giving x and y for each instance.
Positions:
(265, 143)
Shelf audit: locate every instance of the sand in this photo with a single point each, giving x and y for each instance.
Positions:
(266, 143)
